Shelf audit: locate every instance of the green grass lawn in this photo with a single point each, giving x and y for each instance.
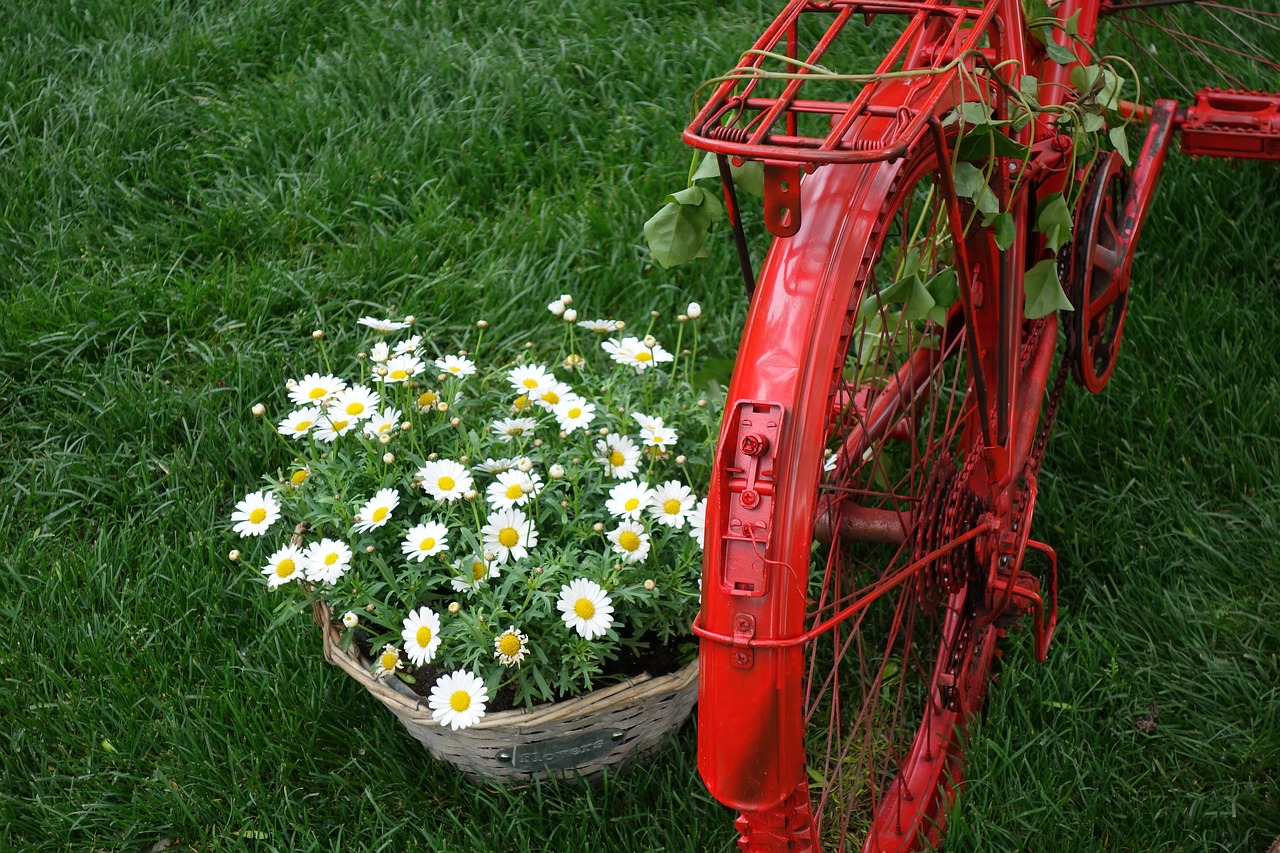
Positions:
(189, 189)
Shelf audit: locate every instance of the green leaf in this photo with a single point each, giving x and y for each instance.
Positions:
(1006, 230)
(1093, 122)
(971, 183)
(919, 302)
(1121, 143)
(708, 168)
(1043, 290)
(1072, 24)
(1085, 78)
(944, 287)
(749, 177)
(1054, 221)
(970, 112)
(1036, 9)
(1029, 86)
(1058, 53)
(676, 234)
(980, 143)
(1112, 84)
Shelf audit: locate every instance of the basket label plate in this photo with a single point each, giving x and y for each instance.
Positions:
(565, 753)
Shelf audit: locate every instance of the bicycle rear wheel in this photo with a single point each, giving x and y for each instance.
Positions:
(882, 504)
(1181, 46)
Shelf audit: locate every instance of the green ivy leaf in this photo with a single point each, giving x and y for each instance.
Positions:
(1054, 221)
(1121, 143)
(1058, 53)
(980, 143)
(677, 232)
(1005, 230)
(944, 287)
(1029, 85)
(972, 184)
(919, 301)
(975, 113)
(1093, 122)
(1043, 290)
(1085, 78)
(1112, 84)
(708, 168)
(749, 177)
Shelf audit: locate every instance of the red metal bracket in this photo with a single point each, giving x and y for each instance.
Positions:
(1026, 592)
(748, 449)
(782, 198)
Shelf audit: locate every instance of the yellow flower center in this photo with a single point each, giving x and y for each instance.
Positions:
(551, 397)
(299, 477)
(316, 393)
(671, 507)
(515, 491)
(423, 636)
(354, 408)
(258, 515)
(388, 660)
(629, 540)
(399, 373)
(644, 356)
(659, 438)
(445, 484)
(575, 413)
(632, 504)
(380, 514)
(285, 567)
(508, 537)
(584, 608)
(330, 558)
(478, 570)
(460, 701)
(530, 383)
(427, 544)
(521, 403)
(427, 399)
(302, 426)
(515, 429)
(509, 645)
(339, 426)
(617, 459)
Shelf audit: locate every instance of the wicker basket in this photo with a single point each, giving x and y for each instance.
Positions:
(577, 737)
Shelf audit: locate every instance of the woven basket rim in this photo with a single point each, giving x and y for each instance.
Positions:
(401, 698)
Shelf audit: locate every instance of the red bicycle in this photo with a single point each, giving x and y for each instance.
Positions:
(868, 527)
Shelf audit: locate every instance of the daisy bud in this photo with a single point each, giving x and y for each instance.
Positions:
(233, 555)
(537, 442)
(655, 314)
(650, 585)
(622, 324)
(455, 421)
(686, 352)
(489, 556)
(598, 527)
(702, 404)
(680, 460)
(480, 618)
(432, 457)
(471, 494)
(650, 341)
(454, 607)
(563, 435)
(570, 316)
(411, 319)
(528, 344)
(482, 324)
(317, 334)
(564, 504)
(291, 384)
(682, 318)
(556, 471)
(566, 299)
(380, 370)
(577, 460)
(526, 465)
(406, 426)
(604, 430)
(350, 619)
(537, 570)
(464, 459)
(694, 310)
(440, 377)
(557, 307)
(258, 410)
(388, 458)
(368, 549)
(442, 406)
(368, 608)
(361, 356)
(384, 439)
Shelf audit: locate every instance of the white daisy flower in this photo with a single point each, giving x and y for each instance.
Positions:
(456, 365)
(628, 499)
(388, 661)
(377, 511)
(586, 608)
(509, 428)
(445, 480)
(672, 504)
(557, 307)
(694, 311)
(326, 561)
(380, 352)
(573, 412)
(631, 541)
(647, 421)
(549, 397)
(425, 540)
(512, 488)
(257, 512)
(382, 423)
(350, 619)
(409, 345)
(600, 327)
(329, 427)
(421, 635)
(400, 368)
(698, 522)
(458, 699)
(510, 647)
(480, 573)
(509, 535)
(356, 402)
(298, 423)
(530, 378)
(283, 566)
(314, 388)
(497, 466)
(634, 352)
(620, 456)
(661, 436)
(382, 326)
